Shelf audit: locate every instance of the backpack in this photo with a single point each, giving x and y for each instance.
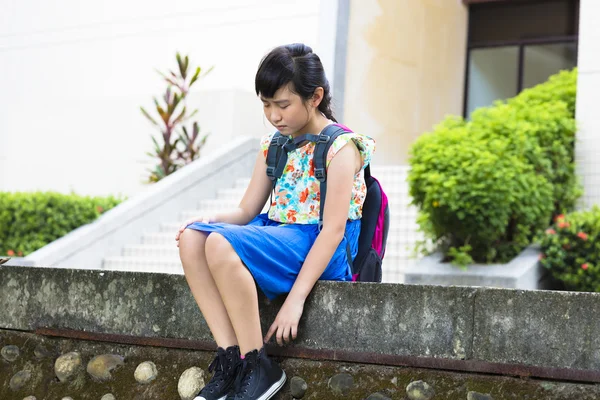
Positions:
(375, 221)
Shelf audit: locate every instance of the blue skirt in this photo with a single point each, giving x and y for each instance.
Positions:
(274, 252)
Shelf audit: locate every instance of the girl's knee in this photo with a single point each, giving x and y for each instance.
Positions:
(191, 240)
(219, 251)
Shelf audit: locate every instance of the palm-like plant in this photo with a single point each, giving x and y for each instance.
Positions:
(176, 145)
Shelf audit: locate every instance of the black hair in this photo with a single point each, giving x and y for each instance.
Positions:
(295, 63)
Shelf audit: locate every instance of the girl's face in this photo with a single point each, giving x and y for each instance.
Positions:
(287, 111)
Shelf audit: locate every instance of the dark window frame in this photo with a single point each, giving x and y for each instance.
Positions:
(522, 43)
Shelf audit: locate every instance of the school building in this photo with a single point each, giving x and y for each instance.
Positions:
(410, 63)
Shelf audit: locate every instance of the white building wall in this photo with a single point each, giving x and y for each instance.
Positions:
(588, 101)
(73, 75)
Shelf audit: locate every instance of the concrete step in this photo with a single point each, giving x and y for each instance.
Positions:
(161, 251)
(160, 238)
(143, 265)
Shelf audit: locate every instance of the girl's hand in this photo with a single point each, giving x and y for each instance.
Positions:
(205, 220)
(286, 322)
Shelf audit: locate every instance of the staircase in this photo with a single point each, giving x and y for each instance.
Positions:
(158, 252)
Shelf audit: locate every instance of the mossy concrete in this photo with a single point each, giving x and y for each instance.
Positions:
(171, 363)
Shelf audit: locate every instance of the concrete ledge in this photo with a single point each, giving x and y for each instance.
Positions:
(88, 245)
(436, 323)
(523, 272)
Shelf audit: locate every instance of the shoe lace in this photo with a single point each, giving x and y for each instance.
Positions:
(220, 377)
(243, 372)
(218, 363)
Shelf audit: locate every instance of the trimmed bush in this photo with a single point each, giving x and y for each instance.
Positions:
(571, 250)
(486, 187)
(29, 221)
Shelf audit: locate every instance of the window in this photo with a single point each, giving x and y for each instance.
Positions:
(514, 45)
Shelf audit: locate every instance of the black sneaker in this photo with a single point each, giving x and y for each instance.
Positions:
(258, 377)
(224, 376)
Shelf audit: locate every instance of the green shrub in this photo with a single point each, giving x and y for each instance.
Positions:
(559, 87)
(486, 187)
(571, 250)
(29, 221)
(543, 135)
(476, 193)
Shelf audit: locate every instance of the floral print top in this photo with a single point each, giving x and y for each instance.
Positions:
(297, 192)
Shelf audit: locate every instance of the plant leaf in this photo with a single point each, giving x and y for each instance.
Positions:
(185, 132)
(191, 115)
(168, 95)
(148, 116)
(195, 77)
(181, 65)
(180, 117)
(195, 131)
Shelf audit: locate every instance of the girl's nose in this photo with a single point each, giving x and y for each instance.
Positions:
(275, 116)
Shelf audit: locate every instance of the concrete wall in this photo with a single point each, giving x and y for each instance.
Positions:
(73, 77)
(405, 69)
(543, 334)
(587, 147)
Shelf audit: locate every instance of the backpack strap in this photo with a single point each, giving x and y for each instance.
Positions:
(331, 132)
(279, 148)
(320, 161)
(276, 157)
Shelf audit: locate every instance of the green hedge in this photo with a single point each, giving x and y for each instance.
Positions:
(485, 187)
(571, 250)
(29, 221)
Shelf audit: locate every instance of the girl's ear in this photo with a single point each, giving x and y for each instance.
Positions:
(317, 97)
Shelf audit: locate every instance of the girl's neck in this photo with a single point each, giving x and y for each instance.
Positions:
(314, 126)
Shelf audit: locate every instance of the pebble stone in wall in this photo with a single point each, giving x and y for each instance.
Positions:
(101, 367)
(19, 380)
(108, 396)
(341, 384)
(67, 365)
(419, 390)
(42, 351)
(146, 372)
(190, 383)
(10, 353)
(298, 387)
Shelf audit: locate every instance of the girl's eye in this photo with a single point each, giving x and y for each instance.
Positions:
(284, 107)
(265, 105)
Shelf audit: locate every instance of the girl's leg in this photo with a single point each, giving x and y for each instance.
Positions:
(203, 287)
(238, 291)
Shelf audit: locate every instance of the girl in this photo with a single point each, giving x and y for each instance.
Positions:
(226, 256)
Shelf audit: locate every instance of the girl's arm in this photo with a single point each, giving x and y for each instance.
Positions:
(340, 179)
(254, 198)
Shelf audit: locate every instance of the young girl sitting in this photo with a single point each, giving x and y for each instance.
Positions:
(226, 256)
